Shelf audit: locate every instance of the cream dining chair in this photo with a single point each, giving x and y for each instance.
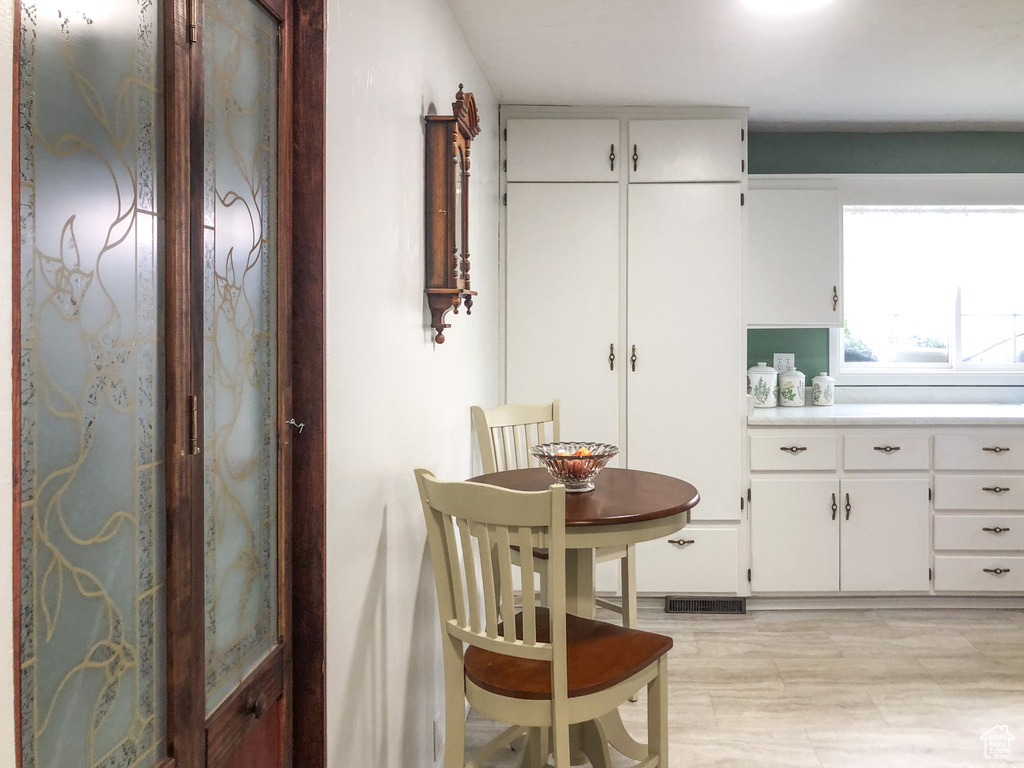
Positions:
(540, 669)
(505, 435)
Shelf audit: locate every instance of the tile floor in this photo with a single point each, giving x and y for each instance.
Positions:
(865, 688)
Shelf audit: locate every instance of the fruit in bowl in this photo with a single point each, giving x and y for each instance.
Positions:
(574, 465)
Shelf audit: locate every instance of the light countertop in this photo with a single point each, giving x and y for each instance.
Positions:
(859, 414)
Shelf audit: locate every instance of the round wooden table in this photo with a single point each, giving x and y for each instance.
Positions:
(627, 506)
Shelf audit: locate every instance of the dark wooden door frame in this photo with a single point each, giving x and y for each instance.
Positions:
(309, 484)
(303, 43)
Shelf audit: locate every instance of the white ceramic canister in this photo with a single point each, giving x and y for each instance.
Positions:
(823, 388)
(763, 385)
(791, 389)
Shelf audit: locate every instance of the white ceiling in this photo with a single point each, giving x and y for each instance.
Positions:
(852, 64)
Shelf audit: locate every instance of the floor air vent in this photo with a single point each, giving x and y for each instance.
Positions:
(705, 604)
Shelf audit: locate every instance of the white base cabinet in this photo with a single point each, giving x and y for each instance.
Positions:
(883, 538)
(698, 560)
(883, 511)
(794, 535)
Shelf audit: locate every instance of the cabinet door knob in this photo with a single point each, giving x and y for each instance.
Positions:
(257, 706)
(681, 542)
(995, 489)
(632, 359)
(996, 449)
(996, 571)
(636, 158)
(835, 298)
(835, 507)
(611, 357)
(793, 448)
(887, 448)
(849, 508)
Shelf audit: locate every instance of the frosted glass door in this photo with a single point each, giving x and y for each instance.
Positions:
(92, 462)
(240, 42)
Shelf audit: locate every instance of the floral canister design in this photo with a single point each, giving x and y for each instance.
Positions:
(791, 389)
(763, 385)
(823, 388)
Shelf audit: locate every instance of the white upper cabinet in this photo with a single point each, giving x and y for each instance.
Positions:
(686, 150)
(795, 258)
(562, 150)
(685, 401)
(562, 283)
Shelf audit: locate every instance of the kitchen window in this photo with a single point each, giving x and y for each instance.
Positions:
(933, 287)
(933, 281)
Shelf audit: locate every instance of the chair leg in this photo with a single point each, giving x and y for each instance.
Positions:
(629, 617)
(454, 704)
(657, 714)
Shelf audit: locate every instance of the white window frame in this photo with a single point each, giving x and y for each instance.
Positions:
(925, 189)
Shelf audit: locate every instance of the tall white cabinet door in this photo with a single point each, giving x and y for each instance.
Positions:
(563, 150)
(885, 540)
(794, 540)
(685, 396)
(686, 150)
(562, 306)
(795, 258)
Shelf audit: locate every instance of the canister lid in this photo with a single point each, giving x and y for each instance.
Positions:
(762, 368)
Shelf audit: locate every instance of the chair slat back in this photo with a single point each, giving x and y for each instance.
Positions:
(506, 433)
(471, 529)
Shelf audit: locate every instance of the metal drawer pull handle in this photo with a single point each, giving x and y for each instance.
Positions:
(835, 507)
(611, 357)
(848, 507)
(681, 542)
(997, 529)
(632, 359)
(636, 158)
(996, 571)
(995, 489)
(835, 297)
(995, 449)
(887, 448)
(611, 157)
(793, 448)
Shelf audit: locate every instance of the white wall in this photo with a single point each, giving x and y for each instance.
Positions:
(395, 400)
(7, 752)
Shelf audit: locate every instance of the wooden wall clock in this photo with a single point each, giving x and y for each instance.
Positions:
(447, 210)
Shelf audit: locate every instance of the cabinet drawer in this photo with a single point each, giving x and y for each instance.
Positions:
(707, 565)
(968, 574)
(795, 453)
(562, 150)
(885, 451)
(968, 492)
(979, 532)
(969, 452)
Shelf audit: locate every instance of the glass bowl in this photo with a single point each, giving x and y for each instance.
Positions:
(576, 472)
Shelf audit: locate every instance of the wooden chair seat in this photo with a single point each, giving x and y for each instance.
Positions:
(599, 655)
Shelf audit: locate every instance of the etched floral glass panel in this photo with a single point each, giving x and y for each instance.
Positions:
(92, 547)
(240, 350)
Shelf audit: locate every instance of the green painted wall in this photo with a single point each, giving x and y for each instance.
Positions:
(810, 345)
(892, 152)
